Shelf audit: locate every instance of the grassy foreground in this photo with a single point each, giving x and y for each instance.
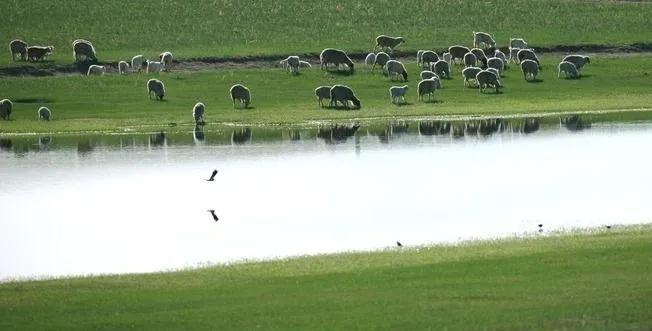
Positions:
(599, 281)
(269, 27)
(113, 102)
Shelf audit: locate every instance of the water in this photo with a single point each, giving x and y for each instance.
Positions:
(73, 205)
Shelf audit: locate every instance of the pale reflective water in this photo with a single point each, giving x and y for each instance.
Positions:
(115, 204)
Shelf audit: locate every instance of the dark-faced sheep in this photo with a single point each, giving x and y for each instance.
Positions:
(527, 54)
(18, 47)
(486, 79)
(5, 109)
(336, 57)
(381, 60)
(496, 63)
(39, 53)
(578, 60)
(156, 86)
(344, 94)
(427, 86)
(469, 75)
(395, 68)
(530, 69)
(569, 69)
(442, 69)
(387, 42)
(240, 93)
(458, 52)
(44, 113)
(483, 39)
(428, 59)
(83, 50)
(323, 92)
(198, 113)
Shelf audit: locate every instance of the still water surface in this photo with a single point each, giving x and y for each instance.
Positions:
(118, 204)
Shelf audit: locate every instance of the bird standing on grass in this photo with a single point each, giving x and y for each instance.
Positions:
(212, 176)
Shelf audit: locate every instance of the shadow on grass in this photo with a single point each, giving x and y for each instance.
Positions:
(535, 81)
(403, 104)
(433, 101)
(339, 73)
(32, 100)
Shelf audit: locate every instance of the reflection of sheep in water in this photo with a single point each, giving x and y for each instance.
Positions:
(240, 93)
(157, 139)
(575, 123)
(198, 113)
(322, 92)
(5, 109)
(337, 133)
(44, 113)
(241, 136)
(430, 128)
(156, 86)
(343, 94)
(19, 47)
(198, 133)
(531, 125)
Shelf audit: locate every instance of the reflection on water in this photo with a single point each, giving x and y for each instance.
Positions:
(241, 136)
(575, 123)
(337, 133)
(198, 133)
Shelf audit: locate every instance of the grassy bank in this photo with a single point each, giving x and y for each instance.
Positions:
(117, 102)
(599, 281)
(235, 28)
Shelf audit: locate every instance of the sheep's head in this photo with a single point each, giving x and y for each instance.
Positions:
(588, 60)
(405, 76)
(356, 102)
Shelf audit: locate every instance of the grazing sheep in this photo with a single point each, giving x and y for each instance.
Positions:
(442, 69)
(449, 59)
(427, 86)
(370, 60)
(397, 92)
(198, 113)
(470, 60)
(419, 55)
(305, 64)
(166, 58)
(343, 94)
(458, 52)
(381, 60)
(427, 74)
(5, 109)
(293, 64)
(154, 66)
(428, 58)
(495, 71)
(123, 67)
(483, 39)
(387, 42)
(156, 86)
(497, 64)
(529, 68)
(44, 113)
(513, 54)
(486, 78)
(527, 54)
(83, 50)
(334, 56)
(240, 93)
(469, 74)
(517, 43)
(322, 92)
(284, 63)
(95, 70)
(19, 47)
(38, 53)
(479, 53)
(569, 69)
(395, 68)
(499, 54)
(137, 63)
(578, 60)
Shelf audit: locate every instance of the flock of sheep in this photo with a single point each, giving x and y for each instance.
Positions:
(479, 69)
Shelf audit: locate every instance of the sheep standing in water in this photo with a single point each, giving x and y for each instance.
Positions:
(240, 93)
(483, 39)
(156, 86)
(469, 75)
(343, 94)
(198, 113)
(427, 86)
(578, 60)
(387, 42)
(336, 57)
(458, 52)
(39, 53)
(166, 58)
(381, 60)
(322, 92)
(395, 68)
(5, 109)
(44, 113)
(530, 69)
(569, 70)
(370, 59)
(486, 79)
(95, 70)
(137, 63)
(83, 50)
(18, 47)
(123, 67)
(397, 93)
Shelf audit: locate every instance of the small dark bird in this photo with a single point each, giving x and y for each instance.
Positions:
(540, 227)
(215, 218)
(608, 227)
(212, 176)
(398, 243)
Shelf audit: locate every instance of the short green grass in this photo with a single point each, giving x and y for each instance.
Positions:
(115, 102)
(241, 28)
(599, 281)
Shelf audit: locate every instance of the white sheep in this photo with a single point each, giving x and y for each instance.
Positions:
(381, 60)
(343, 94)
(336, 57)
(470, 60)
(427, 86)
(154, 66)
(449, 59)
(198, 113)
(530, 69)
(527, 54)
(19, 47)
(323, 92)
(486, 78)
(156, 86)
(458, 52)
(496, 63)
(517, 43)
(578, 60)
(397, 92)
(442, 69)
(240, 93)
(483, 39)
(95, 70)
(428, 59)
(166, 58)
(137, 63)
(387, 42)
(5, 109)
(44, 113)
(123, 67)
(395, 68)
(370, 59)
(83, 50)
(469, 75)
(569, 69)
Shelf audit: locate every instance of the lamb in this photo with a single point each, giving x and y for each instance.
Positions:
(154, 66)
(442, 69)
(529, 68)
(137, 63)
(83, 50)
(426, 74)
(240, 93)
(387, 42)
(95, 70)
(527, 54)
(428, 58)
(469, 74)
(486, 79)
(5, 109)
(458, 52)
(19, 47)
(397, 92)
(38, 53)
(578, 60)
(156, 86)
(496, 63)
(334, 56)
(381, 60)
(123, 67)
(483, 39)
(198, 113)
(370, 60)
(166, 58)
(517, 43)
(569, 69)
(427, 86)
(343, 94)
(322, 92)
(44, 113)
(470, 60)
(395, 68)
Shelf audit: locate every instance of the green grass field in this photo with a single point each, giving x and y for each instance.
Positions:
(112, 102)
(235, 28)
(598, 281)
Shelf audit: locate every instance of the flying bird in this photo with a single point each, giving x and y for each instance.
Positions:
(398, 243)
(212, 176)
(215, 218)
(540, 227)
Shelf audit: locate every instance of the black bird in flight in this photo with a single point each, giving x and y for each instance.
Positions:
(212, 176)
(608, 226)
(398, 243)
(540, 227)
(215, 218)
